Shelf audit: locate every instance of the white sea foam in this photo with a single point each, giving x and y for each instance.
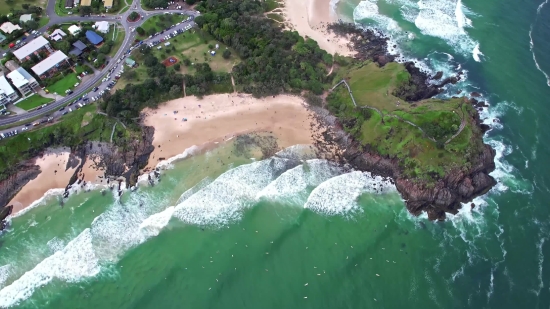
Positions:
(476, 53)
(368, 9)
(4, 274)
(291, 183)
(40, 201)
(155, 223)
(55, 244)
(224, 200)
(75, 262)
(201, 184)
(187, 153)
(338, 195)
(532, 48)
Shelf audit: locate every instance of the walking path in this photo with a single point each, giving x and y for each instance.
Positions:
(462, 123)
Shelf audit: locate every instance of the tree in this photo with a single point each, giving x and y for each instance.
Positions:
(25, 6)
(175, 91)
(151, 31)
(85, 10)
(190, 2)
(133, 16)
(177, 67)
(226, 54)
(101, 59)
(150, 60)
(105, 49)
(140, 31)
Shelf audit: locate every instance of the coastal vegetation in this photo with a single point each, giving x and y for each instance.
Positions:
(72, 132)
(418, 134)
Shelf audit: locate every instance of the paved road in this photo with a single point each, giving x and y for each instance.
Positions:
(126, 44)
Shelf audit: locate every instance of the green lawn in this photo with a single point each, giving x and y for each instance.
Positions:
(116, 34)
(419, 157)
(81, 68)
(160, 22)
(44, 20)
(33, 102)
(66, 83)
(7, 6)
(191, 45)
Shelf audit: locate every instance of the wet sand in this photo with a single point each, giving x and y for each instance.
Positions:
(221, 117)
(53, 175)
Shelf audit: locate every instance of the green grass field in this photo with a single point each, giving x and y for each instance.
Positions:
(161, 22)
(116, 34)
(420, 157)
(33, 102)
(7, 6)
(61, 86)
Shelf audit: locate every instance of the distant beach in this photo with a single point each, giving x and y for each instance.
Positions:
(310, 18)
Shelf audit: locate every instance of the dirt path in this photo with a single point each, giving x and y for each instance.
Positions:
(233, 83)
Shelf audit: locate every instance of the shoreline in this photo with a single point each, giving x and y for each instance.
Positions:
(211, 120)
(310, 18)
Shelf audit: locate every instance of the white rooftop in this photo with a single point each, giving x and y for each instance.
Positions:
(5, 87)
(25, 18)
(30, 47)
(8, 27)
(73, 29)
(58, 32)
(49, 62)
(17, 79)
(102, 26)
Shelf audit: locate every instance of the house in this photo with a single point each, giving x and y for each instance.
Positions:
(130, 62)
(57, 35)
(23, 81)
(33, 47)
(25, 18)
(2, 38)
(108, 4)
(7, 94)
(69, 4)
(102, 26)
(93, 37)
(50, 65)
(78, 49)
(85, 2)
(8, 27)
(74, 29)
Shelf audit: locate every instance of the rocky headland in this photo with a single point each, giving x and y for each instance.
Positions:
(448, 192)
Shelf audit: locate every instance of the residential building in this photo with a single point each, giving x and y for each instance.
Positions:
(74, 29)
(69, 4)
(50, 65)
(23, 81)
(78, 49)
(25, 18)
(85, 2)
(108, 4)
(93, 37)
(76, 2)
(57, 35)
(7, 94)
(2, 38)
(8, 27)
(33, 47)
(102, 26)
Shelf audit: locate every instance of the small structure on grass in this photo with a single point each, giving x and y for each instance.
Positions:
(130, 62)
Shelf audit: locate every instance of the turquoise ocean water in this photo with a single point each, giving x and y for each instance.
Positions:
(227, 231)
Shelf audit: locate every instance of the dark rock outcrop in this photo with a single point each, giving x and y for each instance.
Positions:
(445, 196)
(9, 187)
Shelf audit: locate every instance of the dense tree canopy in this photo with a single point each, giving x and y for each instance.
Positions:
(273, 60)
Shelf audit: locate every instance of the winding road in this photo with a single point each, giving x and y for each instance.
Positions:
(129, 38)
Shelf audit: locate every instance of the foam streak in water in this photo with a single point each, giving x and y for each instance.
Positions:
(338, 195)
(532, 47)
(75, 262)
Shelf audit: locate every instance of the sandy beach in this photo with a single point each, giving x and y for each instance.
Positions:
(221, 117)
(309, 18)
(53, 175)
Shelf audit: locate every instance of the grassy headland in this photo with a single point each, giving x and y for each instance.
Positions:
(426, 151)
